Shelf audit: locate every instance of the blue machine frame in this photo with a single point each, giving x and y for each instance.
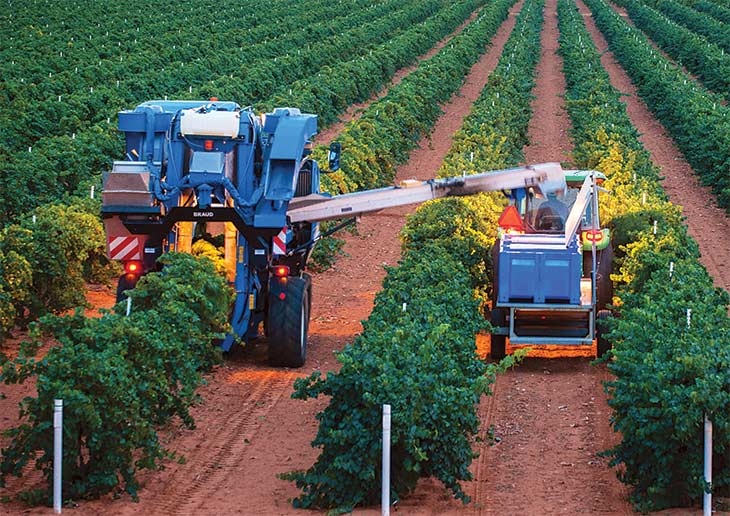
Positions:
(214, 161)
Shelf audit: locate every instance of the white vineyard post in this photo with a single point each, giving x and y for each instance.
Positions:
(57, 454)
(385, 483)
(129, 305)
(707, 496)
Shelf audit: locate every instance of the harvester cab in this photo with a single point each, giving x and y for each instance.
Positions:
(552, 263)
(213, 168)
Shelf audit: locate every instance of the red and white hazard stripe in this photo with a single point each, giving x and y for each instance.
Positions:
(279, 244)
(125, 248)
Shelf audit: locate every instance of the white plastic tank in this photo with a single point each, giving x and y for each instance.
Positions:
(211, 123)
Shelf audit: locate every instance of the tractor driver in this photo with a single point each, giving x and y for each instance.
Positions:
(551, 214)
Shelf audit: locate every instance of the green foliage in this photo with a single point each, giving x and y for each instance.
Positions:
(63, 246)
(120, 379)
(205, 249)
(696, 118)
(667, 375)
(422, 361)
(465, 227)
(185, 288)
(15, 278)
(715, 31)
(704, 59)
(719, 12)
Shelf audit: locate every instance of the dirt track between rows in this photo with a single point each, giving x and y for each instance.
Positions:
(548, 416)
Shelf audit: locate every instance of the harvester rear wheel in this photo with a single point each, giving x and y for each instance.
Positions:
(288, 324)
(308, 282)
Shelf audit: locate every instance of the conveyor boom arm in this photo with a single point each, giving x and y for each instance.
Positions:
(548, 177)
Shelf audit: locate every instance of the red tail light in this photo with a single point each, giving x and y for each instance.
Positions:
(281, 271)
(592, 235)
(209, 145)
(133, 268)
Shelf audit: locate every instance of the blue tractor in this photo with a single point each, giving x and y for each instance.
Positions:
(195, 167)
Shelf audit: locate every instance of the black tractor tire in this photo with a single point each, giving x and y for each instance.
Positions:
(497, 316)
(288, 324)
(125, 282)
(602, 344)
(498, 348)
(604, 259)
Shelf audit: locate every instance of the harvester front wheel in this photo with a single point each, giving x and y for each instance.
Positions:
(287, 325)
(499, 346)
(498, 317)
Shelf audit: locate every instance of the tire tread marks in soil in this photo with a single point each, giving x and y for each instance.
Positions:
(208, 467)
